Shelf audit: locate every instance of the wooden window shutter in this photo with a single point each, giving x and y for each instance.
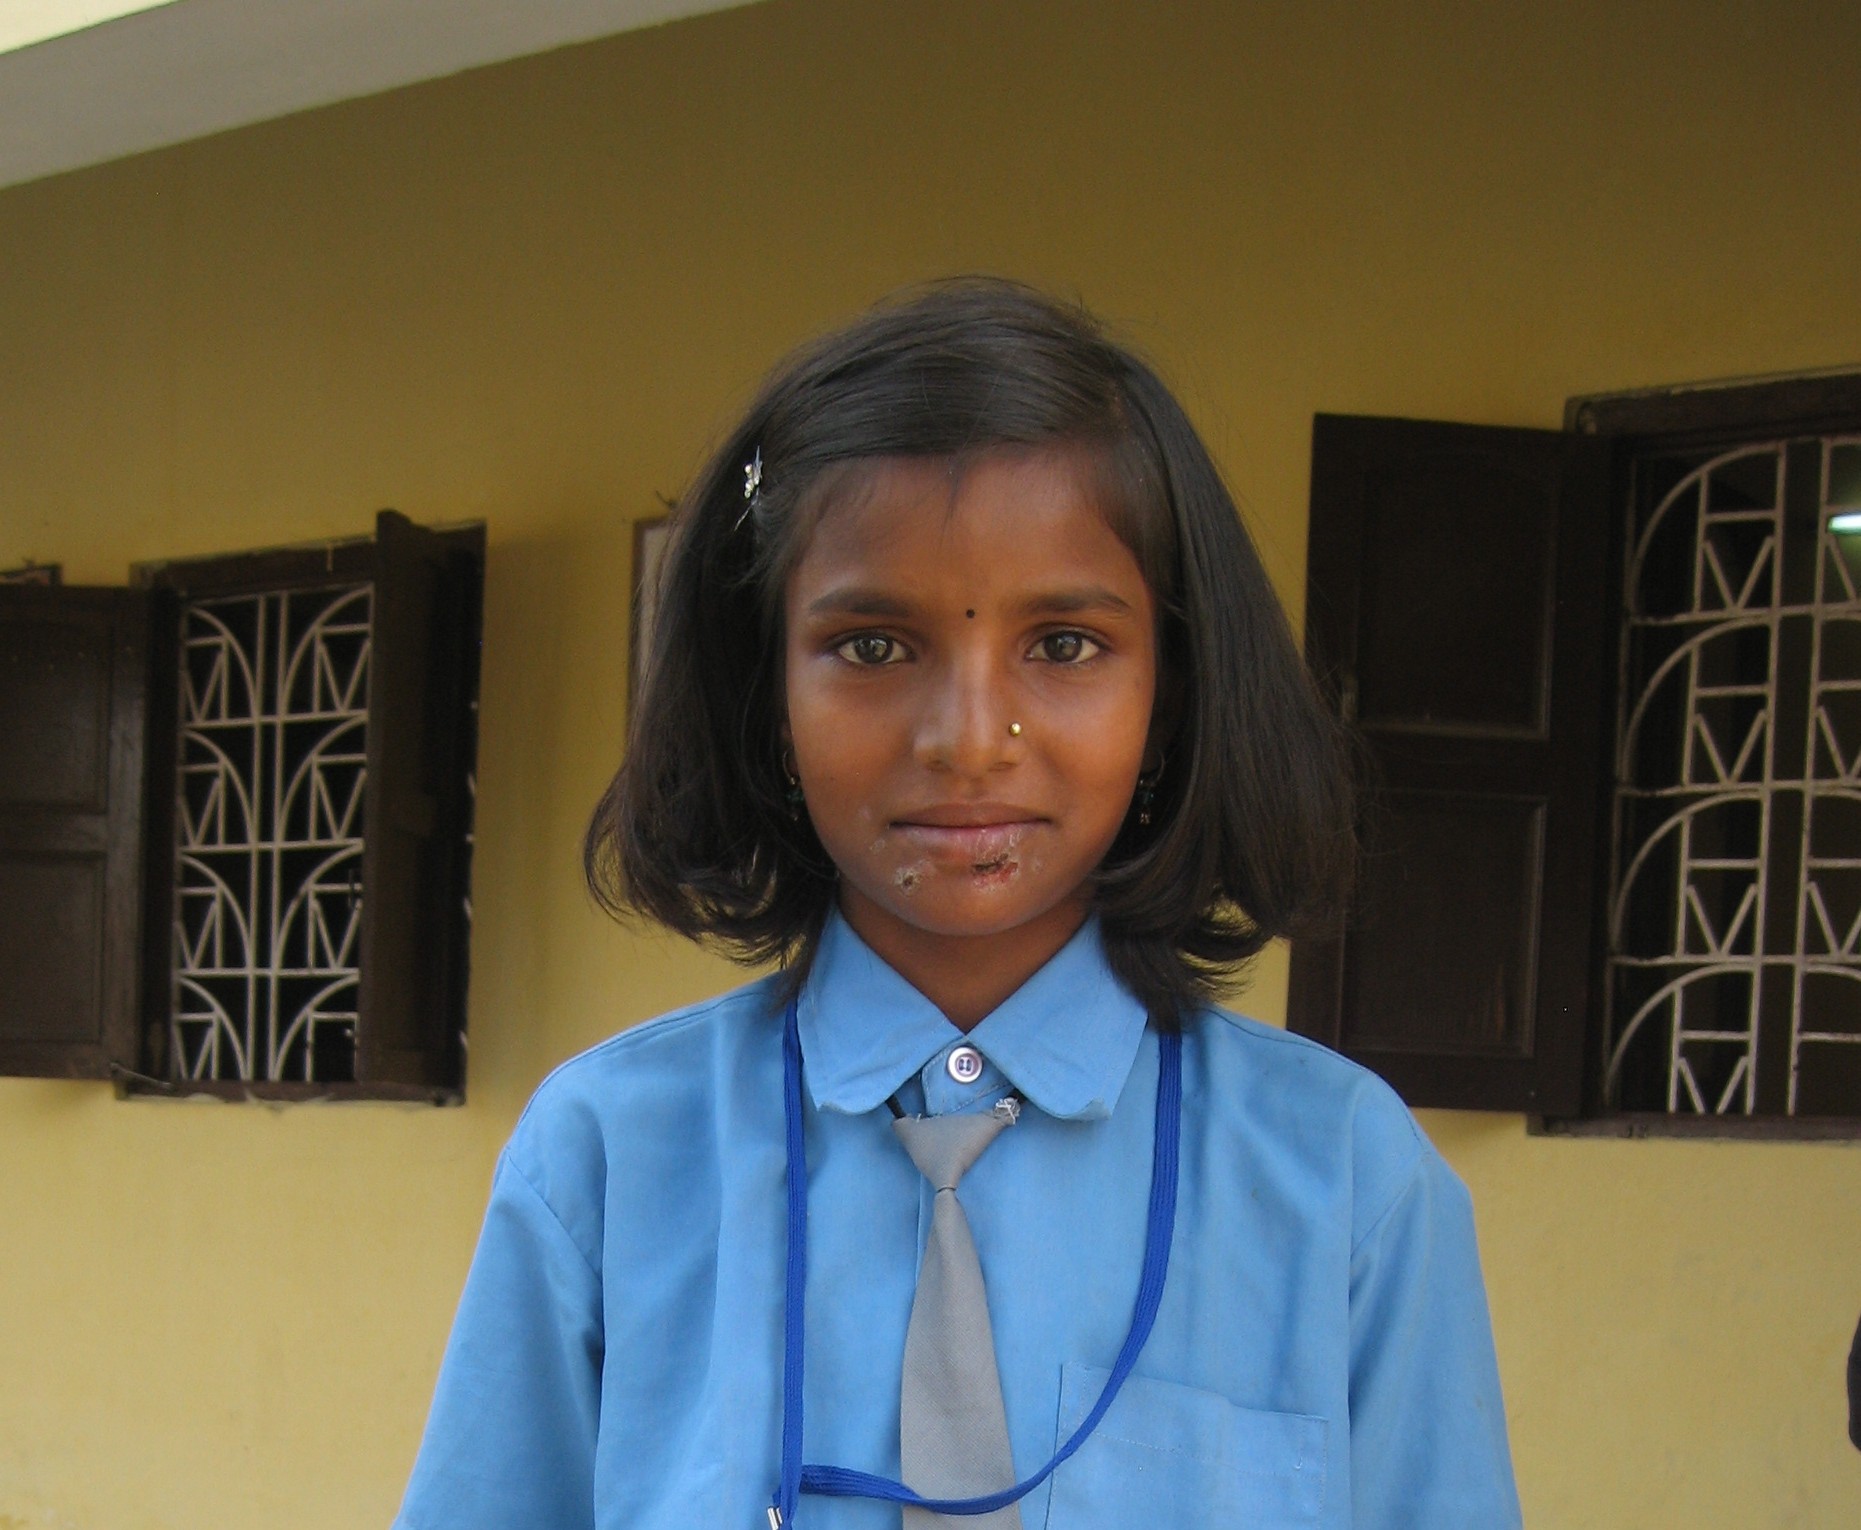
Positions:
(421, 732)
(1457, 602)
(74, 696)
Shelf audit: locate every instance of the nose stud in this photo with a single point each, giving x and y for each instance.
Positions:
(1014, 730)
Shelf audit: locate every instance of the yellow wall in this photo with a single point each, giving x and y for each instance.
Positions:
(531, 293)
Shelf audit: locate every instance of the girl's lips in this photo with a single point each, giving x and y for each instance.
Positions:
(969, 844)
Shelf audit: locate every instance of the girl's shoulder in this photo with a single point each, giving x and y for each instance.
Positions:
(1290, 1096)
(678, 1068)
(676, 1039)
(1233, 1042)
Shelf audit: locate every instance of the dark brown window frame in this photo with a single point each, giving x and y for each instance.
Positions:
(72, 816)
(1679, 416)
(1622, 423)
(1449, 1010)
(422, 730)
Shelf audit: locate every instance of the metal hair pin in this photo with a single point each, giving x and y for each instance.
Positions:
(752, 487)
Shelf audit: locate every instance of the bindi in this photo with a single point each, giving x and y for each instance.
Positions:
(970, 614)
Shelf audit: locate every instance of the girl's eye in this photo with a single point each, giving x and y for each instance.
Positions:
(1066, 648)
(870, 649)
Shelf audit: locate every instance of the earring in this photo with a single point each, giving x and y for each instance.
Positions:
(1147, 793)
(795, 798)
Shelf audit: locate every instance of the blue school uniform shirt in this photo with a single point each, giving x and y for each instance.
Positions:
(1322, 1356)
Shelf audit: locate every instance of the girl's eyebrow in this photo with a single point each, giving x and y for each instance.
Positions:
(857, 600)
(862, 600)
(1075, 598)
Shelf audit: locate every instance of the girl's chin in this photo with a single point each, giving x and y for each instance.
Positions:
(975, 901)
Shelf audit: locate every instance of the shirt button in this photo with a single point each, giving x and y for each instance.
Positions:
(964, 1065)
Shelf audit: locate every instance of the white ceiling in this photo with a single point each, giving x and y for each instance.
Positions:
(84, 81)
(24, 22)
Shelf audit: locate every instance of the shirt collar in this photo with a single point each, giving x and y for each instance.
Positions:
(1066, 1039)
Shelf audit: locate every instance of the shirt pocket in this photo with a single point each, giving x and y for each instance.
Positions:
(1166, 1455)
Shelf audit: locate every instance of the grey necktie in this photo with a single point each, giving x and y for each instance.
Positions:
(953, 1431)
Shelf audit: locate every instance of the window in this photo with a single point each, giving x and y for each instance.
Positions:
(235, 816)
(1733, 982)
(1609, 680)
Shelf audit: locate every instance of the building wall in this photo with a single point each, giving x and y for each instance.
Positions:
(531, 294)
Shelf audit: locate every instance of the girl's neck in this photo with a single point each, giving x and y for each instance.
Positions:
(965, 976)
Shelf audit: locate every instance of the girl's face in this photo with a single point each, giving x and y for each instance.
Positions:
(971, 667)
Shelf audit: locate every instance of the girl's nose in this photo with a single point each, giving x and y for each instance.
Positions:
(965, 723)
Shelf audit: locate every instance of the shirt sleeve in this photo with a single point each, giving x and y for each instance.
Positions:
(1428, 1427)
(510, 1441)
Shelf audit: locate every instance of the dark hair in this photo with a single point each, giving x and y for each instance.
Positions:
(1251, 832)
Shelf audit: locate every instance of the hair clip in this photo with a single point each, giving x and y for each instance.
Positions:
(752, 487)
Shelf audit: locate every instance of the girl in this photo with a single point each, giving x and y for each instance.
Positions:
(969, 706)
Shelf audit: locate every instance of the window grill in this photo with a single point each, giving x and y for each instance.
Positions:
(270, 814)
(1735, 907)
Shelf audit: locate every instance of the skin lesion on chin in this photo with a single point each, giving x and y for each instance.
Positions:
(1001, 864)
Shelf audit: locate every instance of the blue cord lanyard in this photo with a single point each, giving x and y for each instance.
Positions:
(839, 1481)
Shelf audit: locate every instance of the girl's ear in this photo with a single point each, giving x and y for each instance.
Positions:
(1165, 717)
